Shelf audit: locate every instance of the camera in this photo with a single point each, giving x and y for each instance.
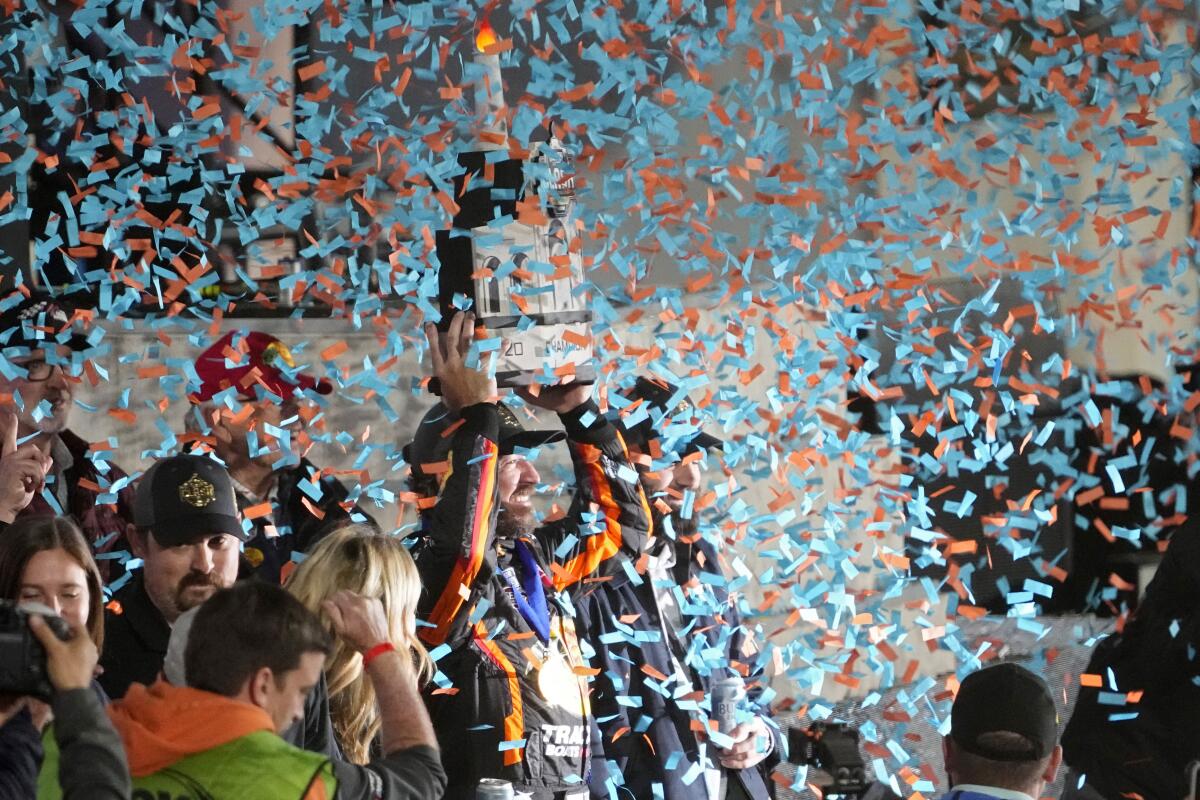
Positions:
(22, 657)
(838, 768)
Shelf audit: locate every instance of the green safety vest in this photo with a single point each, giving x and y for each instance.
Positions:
(259, 765)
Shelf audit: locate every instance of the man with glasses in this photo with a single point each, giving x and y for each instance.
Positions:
(46, 468)
(253, 405)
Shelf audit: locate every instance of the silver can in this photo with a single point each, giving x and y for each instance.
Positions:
(494, 789)
(727, 697)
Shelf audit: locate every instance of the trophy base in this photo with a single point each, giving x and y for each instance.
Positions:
(584, 373)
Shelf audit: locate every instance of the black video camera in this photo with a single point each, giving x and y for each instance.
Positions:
(831, 748)
(22, 657)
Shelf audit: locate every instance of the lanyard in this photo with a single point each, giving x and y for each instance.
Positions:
(529, 595)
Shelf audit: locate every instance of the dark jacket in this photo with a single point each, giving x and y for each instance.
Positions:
(100, 511)
(307, 507)
(91, 764)
(96, 767)
(20, 756)
(1148, 747)
(493, 719)
(135, 639)
(645, 734)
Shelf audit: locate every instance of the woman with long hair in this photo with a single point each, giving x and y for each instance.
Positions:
(372, 564)
(46, 561)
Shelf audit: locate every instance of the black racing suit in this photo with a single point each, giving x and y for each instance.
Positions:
(1136, 727)
(515, 705)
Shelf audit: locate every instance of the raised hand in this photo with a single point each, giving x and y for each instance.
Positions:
(462, 386)
(22, 469)
(360, 621)
(560, 399)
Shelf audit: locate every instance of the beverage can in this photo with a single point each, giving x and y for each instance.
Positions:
(727, 695)
(494, 789)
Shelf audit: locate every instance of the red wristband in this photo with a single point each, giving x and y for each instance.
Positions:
(377, 650)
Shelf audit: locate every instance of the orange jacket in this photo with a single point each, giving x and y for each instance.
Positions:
(161, 724)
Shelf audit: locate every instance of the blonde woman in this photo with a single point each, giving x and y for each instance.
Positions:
(359, 559)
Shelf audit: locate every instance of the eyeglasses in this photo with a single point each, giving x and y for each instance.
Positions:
(38, 369)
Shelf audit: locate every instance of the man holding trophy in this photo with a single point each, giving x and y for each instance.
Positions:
(497, 584)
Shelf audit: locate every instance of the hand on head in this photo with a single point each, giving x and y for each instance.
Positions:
(360, 621)
(23, 469)
(462, 385)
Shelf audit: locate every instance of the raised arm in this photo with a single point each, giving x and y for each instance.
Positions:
(459, 557)
(90, 757)
(609, 514)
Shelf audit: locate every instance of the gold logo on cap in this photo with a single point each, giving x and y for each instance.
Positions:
(197, 492)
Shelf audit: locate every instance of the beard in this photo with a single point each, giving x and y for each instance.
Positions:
(683, 527)
(54, 422)
(206, 582)
(509, 526)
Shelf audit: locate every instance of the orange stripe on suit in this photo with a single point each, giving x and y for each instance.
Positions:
(599, 547)
(467, 568)
(514, 723)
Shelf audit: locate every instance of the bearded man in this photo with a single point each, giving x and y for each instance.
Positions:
(498, 584)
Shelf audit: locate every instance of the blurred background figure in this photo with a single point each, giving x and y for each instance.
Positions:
(252, 406)
(1135, 727)
(672, 621)
(41, 339)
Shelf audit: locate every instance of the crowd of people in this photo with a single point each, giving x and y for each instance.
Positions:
(240, 628)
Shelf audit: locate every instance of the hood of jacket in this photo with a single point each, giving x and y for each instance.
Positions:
(161, 724)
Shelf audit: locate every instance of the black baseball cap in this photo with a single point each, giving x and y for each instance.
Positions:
(430, 445)
(38, 321)
(668, 406)
(186, 497)
(513, 434)
(1004, 698)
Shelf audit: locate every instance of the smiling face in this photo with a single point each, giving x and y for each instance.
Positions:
(264, 418)
(55, 579)
(45, 393)
(517, 483)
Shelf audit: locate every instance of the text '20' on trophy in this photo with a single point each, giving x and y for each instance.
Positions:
(513, 250)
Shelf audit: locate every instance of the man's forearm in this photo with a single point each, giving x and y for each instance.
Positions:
(91, 757)
(403, 720)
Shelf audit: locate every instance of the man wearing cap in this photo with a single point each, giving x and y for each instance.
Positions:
(1135, 728)
(259, 438)
(42, 352)
(1003, 736)
(654, 635)
(496, 582)
(187, 533)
